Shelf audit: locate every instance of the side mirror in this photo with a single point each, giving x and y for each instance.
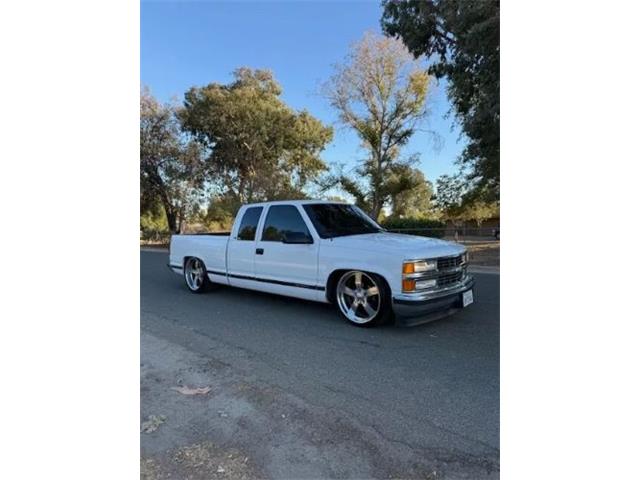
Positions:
(296, 238)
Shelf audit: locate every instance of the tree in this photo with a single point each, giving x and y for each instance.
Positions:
(450, 190)
(479, 211)
(336, 198)
(221, 212)
(172, 171)
(463, 39)
(380, 93)
(416, 202)
(259, 148)
(153, 218)
(456, 203)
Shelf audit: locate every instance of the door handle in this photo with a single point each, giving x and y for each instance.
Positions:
(259, 251)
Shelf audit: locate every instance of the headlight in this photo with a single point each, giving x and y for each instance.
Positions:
(422, 284)
(420, 267)
(465, 257)
(410, 283)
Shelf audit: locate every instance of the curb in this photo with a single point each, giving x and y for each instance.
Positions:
(484, 269)
(154, 249)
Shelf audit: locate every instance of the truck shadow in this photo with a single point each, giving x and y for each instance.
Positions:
(249, 309)
(305, 310)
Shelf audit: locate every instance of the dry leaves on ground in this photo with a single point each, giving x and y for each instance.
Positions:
(152, 423)
(192, 391)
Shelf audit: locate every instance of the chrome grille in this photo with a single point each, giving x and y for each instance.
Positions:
(449, 262)
(450, 272)
(449, 278)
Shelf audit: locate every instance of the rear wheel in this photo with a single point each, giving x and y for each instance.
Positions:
(363, 298)
(195, 275)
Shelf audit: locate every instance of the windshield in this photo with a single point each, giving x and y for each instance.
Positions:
(336, 220)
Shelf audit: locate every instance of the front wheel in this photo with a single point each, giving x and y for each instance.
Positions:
(363, 298)
(195, 275)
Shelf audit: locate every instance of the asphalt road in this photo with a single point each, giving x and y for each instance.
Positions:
(405, 402)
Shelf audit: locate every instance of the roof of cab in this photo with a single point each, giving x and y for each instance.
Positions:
(293, 202)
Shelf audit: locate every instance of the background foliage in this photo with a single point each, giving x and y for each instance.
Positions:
(259, 148)
(462, 38)
(235, 143)
(423, 226)
(172, 167)
(380, 93)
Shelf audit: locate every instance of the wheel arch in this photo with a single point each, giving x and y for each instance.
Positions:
(334, 276)
(186, 258)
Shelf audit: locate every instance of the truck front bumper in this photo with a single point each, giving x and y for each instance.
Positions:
(415, 309)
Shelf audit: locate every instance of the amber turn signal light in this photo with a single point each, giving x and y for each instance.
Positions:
(408, 285)
(408, 268)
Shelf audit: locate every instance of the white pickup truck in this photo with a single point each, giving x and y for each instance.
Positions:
(329, 252)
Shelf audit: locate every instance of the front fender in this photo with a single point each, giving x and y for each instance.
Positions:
(387, 266)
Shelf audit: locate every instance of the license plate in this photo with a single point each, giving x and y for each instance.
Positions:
(467, 298)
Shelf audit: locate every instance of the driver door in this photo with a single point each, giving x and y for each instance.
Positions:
(287, 268)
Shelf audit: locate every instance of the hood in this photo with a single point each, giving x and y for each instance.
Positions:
(409, 246)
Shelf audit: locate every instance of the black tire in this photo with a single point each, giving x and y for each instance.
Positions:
(195, 275)
(356, 307)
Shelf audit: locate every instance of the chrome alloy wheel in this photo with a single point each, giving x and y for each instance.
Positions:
(358, 297)
(194, 274)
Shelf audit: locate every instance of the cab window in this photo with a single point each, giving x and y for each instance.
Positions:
(249, 224)
(283, 219)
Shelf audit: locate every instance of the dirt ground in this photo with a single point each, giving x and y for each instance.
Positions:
(484, 253)
(242, 430)
(200, 461)
(171, 422)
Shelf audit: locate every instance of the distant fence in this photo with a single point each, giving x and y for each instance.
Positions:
(462, 234)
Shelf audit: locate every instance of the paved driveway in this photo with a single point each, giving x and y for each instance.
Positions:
(321, 398)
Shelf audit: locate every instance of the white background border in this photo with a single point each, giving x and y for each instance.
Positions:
(70, 285)
(569, 290)
(69, 185)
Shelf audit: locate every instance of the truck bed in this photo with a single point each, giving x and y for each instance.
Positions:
(210, 247)
(214, 234)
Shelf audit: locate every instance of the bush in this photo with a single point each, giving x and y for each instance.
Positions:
(415, 226)
(155, 236)
(154, 222)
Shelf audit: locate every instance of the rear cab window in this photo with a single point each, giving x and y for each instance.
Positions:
(283, 219)
(249, 224)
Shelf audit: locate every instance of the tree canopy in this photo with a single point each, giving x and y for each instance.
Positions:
(462, 38)
(454, 202)
(380, 92)
(450, 191)
(415, 202)
(172, 170)
(259, 148)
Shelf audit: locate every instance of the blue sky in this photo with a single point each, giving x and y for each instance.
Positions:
(185, 44)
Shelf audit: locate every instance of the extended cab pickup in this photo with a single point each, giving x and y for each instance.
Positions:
(329, 252)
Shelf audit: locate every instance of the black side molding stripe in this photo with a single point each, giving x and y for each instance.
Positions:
(266, 280)
(213, 272)
(256, 279)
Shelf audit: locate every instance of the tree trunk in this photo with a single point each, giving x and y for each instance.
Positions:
(375, 211)
(166, 203)
(172, 217)
(376, 187)
(171, 220)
